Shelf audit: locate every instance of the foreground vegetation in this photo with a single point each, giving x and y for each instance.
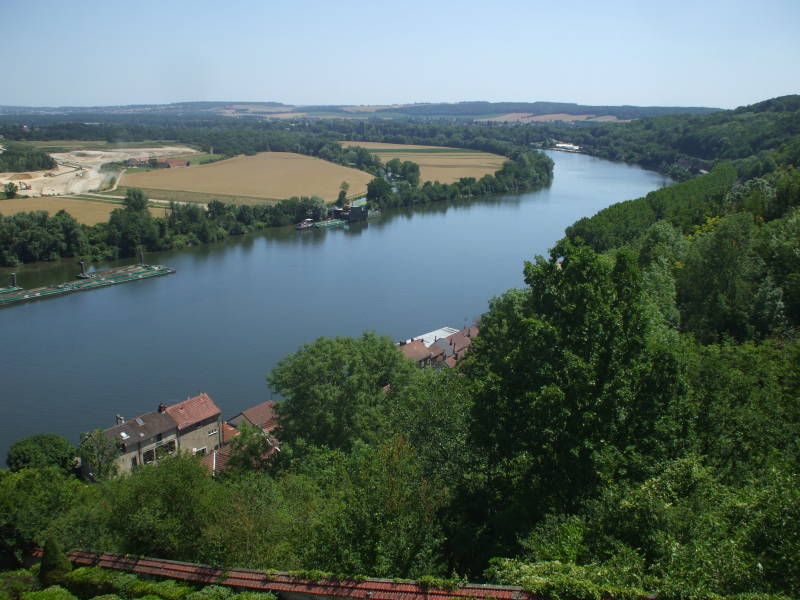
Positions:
(57, 581)
(626, 424)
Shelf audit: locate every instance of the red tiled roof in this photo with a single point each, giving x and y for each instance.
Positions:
(217, 460)
(175, 162)
(416, 350)
(193, 410)
(228, 433)
(277, 582)
(462, 339)
(262, 415)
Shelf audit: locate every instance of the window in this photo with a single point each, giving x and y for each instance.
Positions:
(148, 457)
(199, 451)
(134, 462)
(214, 431)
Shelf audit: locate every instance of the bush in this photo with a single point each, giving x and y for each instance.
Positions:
(87, 582)
(55, 565)
(211, 592)
(255, 596)
(166, 590)
(54, 592)
(14, 583)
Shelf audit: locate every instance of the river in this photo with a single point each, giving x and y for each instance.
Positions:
(233, 309)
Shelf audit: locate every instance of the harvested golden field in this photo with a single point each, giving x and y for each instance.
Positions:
(88, 212)
(438, 163)
(267, 175)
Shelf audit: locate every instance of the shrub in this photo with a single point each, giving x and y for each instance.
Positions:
(14, 583)
(87, 582)
(211, 592)
(166, 590)
(54, 592)
(255, 596)
(55, 565)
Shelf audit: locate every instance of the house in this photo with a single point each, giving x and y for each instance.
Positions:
(193, 425)
(140, 161)
(262, 416)
(172, 163)
(424, 356)
(442, 347)
(143, 440)
(199, 424)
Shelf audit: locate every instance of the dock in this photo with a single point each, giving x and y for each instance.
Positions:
(87, 281)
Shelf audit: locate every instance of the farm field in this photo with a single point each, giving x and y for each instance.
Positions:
(266, 177)
(86, 211)
(438, 163)
(185, 196)
(70, 145)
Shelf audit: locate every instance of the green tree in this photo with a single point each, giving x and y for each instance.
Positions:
(382, 517)
(55, 564)
(41, 450)
(99, 454)
(335, 390)
(164, 510)
(344, 187)
(135, 200)
(378, 190)
(576, 385)
(11, 190)
(250, 449)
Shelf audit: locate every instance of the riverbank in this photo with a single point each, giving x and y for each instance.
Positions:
(241, 304)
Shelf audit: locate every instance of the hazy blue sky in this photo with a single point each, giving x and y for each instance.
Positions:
(677, 52)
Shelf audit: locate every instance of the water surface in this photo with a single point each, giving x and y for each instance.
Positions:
(235, 308)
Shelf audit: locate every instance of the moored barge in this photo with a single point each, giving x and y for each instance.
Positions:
(87, 281)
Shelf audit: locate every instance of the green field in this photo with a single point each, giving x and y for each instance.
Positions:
(69, 145)
(198, 197)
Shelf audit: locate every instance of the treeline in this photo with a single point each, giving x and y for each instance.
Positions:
(684, 205)
(18, 157)
(679, 145)
(36, 236)
(524, 171)
(484, 109)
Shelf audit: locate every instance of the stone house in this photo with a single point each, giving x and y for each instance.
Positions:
(193, 426)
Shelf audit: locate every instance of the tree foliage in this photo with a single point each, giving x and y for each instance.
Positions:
(41, 450)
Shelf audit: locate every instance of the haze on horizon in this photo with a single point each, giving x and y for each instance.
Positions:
(716, 53)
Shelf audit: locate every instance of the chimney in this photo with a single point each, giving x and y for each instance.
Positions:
(120, 419)
(83, 268)
(162, 407)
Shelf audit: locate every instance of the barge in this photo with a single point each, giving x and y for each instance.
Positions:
(86, 281)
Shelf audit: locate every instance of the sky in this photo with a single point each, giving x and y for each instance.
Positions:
(721, 53)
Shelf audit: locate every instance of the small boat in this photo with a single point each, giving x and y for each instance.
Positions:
(304, 224)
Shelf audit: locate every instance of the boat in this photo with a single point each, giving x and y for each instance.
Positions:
(304, 224)
(329, 223)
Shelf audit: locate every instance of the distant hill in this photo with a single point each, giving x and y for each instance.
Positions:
(520, 112)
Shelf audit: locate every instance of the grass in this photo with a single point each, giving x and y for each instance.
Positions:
(188, 196)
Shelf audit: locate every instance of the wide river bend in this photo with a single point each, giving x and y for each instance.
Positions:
(233, 309)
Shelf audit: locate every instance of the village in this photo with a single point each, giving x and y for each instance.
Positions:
(195, 426)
